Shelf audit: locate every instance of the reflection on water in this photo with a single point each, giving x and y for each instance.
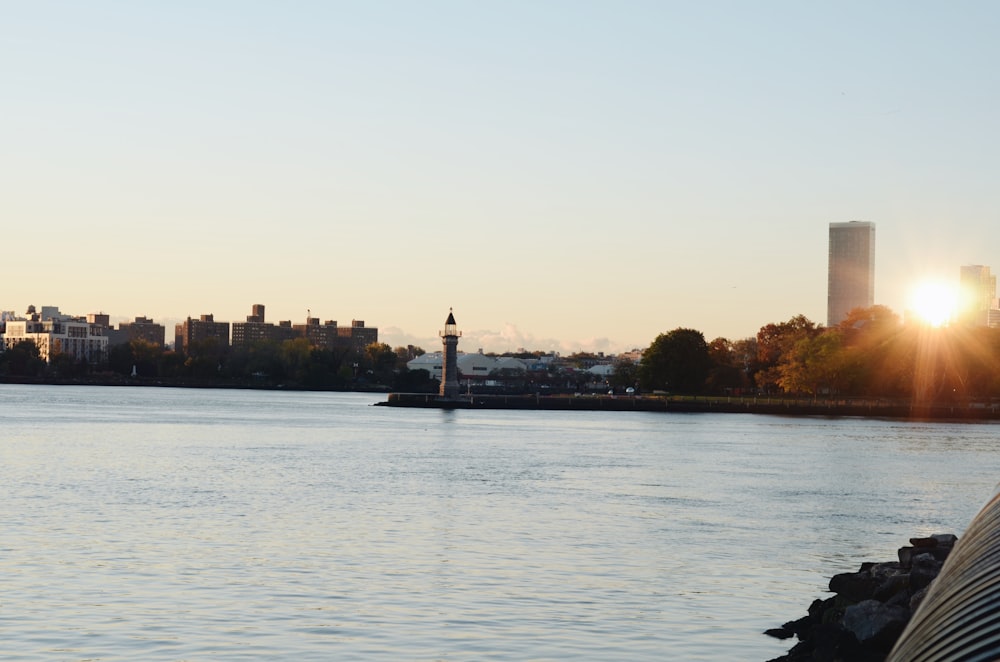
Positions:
(187, 524)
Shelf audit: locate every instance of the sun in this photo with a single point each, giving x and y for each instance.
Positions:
(934, 302)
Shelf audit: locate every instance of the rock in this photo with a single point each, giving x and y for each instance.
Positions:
(819, 607)
(833, 642)
(855, 586)
(874, 624)
(945, 539)
(826, 643)
(925, 568)
(939, 545)
(799, 627)
(940, 553)
(870, 608)
(891, 586)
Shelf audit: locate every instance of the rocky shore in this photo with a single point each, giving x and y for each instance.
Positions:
(869, 609)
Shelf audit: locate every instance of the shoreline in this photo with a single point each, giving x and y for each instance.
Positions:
(768, 405)
(140, 382)
(846, 407)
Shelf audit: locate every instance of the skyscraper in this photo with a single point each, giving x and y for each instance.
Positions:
(978, 294)
(851, 272)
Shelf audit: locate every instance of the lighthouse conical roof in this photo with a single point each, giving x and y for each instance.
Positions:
(451, 318)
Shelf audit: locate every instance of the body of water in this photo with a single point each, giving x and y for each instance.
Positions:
(184, 524)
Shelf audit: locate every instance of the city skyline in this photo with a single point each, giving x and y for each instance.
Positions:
(568, 176)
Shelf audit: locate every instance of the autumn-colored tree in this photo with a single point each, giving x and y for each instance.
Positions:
(745, 357)
(407, 353)
(867, 335)
(775, 341)
(980, 348)
(813, 365)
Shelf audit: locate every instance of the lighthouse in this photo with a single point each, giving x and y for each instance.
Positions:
(449, 359)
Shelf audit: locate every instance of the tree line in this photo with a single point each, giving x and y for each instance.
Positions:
(290, 363)
(871, 353)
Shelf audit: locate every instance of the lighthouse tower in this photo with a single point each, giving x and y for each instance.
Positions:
(449, 360)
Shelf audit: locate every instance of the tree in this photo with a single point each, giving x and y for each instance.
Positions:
(380, 359)
(408, 353)
(264, 362)
(23, 359)
(415, 381)
(147, 357)
(868, 337)
(868, 325)
(625, 374)
(813, 364)
(725, 372)
(295, 355)
(67, 365)
(676, 361)
(121, 359)
(774, 341)
(204, 357)
(744, 354)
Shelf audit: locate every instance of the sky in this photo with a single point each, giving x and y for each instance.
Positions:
(565, 175)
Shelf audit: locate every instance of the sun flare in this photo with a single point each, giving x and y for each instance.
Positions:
(934, 302)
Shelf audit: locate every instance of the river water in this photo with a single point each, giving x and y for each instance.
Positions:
(182, 524)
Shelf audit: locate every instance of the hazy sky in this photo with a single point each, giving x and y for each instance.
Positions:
(566, 175)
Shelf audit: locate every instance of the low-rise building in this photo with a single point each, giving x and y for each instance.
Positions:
(432, 362)
(476, 368)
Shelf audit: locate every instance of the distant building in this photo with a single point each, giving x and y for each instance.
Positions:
(851, 270)
(633, 355)
(429, 361)
(194, 331)
(50, 313)
(475, 366)
(326, 335)
(469, 366)
(100, 319)
(144, 329)
(103, 320)
(978, 300)
(254, 330)
(4, 316)
(57, 334)
(358, 335)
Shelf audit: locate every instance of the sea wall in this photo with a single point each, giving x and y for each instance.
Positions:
(864, 407)
(869, 608)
